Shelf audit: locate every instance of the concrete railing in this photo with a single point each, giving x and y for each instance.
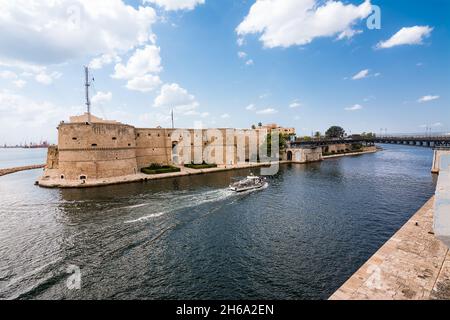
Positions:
(442, 202)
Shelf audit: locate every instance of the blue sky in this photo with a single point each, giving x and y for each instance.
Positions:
(304, 63)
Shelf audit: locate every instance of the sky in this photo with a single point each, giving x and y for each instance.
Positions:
(366, 65)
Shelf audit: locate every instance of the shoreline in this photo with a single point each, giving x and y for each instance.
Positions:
(4, 172)
(141, 177)
(350, 154)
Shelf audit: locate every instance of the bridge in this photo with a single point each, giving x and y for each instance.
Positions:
(423, 141)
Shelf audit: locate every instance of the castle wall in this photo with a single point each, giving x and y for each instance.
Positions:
(102, 150)
(96, 151)
(52, 158)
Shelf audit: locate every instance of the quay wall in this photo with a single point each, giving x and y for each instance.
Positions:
(438, 153)
(4, 172)
(442, 202)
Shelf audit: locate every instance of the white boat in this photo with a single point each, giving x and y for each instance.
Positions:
(250, 183)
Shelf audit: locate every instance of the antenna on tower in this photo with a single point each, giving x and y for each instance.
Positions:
(88, 101)
(173, 124)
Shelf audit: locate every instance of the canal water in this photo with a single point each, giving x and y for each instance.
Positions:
(191, 238)
(19, 157)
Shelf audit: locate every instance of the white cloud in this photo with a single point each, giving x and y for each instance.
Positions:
(295, 104)
(225, 116)
(428, 98)
(242, 55)
(49, 32)
(102, 97)
(105, 59)
(355, 107)
(267, 111)
(145, 83)
(284, 23)
(349, 33)
(155, 119)
(249, 62)
(361, 75)
(172, 96)
(250, 107)
(47, 78)
(407, 36)
(143, 61)
(23, 118)
(174, 5)
(8, 75)
(20, 83)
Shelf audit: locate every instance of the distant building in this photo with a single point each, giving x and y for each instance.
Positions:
(282, 130)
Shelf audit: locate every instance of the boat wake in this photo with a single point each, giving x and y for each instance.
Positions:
(180, 203)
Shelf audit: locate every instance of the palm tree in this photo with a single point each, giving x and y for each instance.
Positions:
(318, 135)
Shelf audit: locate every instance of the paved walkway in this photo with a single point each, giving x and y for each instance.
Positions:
(53, 182)
(412, 265)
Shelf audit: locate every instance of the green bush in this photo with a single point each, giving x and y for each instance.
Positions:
(201, 166)
(155, 168)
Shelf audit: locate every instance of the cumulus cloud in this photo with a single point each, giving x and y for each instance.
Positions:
(105, 59)
(267, 111)
(284, 23)
(145, 83)
(361, 75)
(31, 116)
(428, 98)
(225, 116)
(47, 78)
(19, 83)
(172, 96)
(355, 107)
(407, 36)
(49, 32)
(174, 5)
(242, 55)
(102, 97)
(251, 107)
(143, 61)
(295, 104)
(8, 75)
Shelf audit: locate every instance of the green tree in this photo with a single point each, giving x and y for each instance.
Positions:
(253, 127)
(282, 143)
(318, 135)
(335, 132)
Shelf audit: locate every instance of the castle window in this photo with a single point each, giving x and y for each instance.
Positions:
(159, 135)
(93, 145)
(62, 177)
(149, 134)
(168, 135)
(129, 144)
(83, 177)
(74, 138)
(138, 135)
(114, 138)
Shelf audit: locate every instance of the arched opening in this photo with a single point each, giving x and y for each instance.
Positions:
(175, 158)
(289, 155)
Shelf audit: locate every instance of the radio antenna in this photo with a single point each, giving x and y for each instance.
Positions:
(88, 101)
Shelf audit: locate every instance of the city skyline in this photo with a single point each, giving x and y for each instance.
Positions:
(225, 65)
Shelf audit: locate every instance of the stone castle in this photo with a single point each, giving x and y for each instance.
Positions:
(90, 148)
